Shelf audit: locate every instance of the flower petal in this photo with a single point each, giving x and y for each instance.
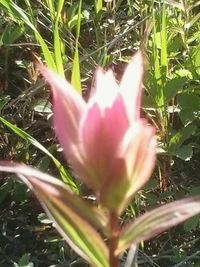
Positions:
(139, 150)
(106, 89)
(101, 132)
(90, 138)
(130, 86)
(68, 107)
(131, 168)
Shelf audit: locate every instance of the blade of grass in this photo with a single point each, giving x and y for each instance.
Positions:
(19, 14)
(98, 6)
(57, 41)
(164, 44)
(30, 12)
(51, 8)
(157, 72)
(164, 67)
(98, 9)
(28, 138)
(55, 17)
(6, 5)
(76, 78)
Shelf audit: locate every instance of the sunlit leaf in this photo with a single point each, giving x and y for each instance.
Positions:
(158, 220)
(18, 14)
(27, 137)
(98, 8)
(57, 41)
(73, 217)
(164, 39)
(180, 137)
(76, 79)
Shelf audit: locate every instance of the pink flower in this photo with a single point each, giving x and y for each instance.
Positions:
(109, 146)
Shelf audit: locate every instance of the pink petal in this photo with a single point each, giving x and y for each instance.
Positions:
(68, 107)
(130, 86)
(131, 168)
(100, 135)
(90, 138)
(106, 89)
(139, 151)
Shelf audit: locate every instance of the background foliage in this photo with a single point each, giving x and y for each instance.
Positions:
(73, 37)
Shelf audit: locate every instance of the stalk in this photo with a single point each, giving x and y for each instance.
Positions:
(113, 242)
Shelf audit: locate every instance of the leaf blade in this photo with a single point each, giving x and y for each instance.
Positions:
(28, 138)
(158, 220)
(73, 217)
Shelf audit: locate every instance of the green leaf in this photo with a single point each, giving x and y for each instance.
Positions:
(57, 41)
(6, 5)
(158, 220)
(76, 78)
(98, 6)
(72, 17)
(28, 138)
(50, 5)
(184, 73)
(78, 26)
(179, 138)
(74, 218)
(189, 101)
(25, 261)
(173, 87)
(192, 223)
(10, 35)
(190, 106)
(73, 22)
(193, 20)
(98, 9)
(188, 115)
(18, 14)
(196, 58)
(184, 152)
(158, 94)
(164, 39)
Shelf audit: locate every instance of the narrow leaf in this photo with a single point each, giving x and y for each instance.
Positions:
(12, 7)
(164, 37)
(74, 218)
(157, 221)
(98, 9)
(98, 6)
(76, 78)
(28, 138)
(50, 7)
(159, 97)
(58, 41)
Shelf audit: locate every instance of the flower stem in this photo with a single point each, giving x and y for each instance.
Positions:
(113, 259)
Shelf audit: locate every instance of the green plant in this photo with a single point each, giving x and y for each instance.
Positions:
(171, 88)
(110, 32)
(115, 168)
